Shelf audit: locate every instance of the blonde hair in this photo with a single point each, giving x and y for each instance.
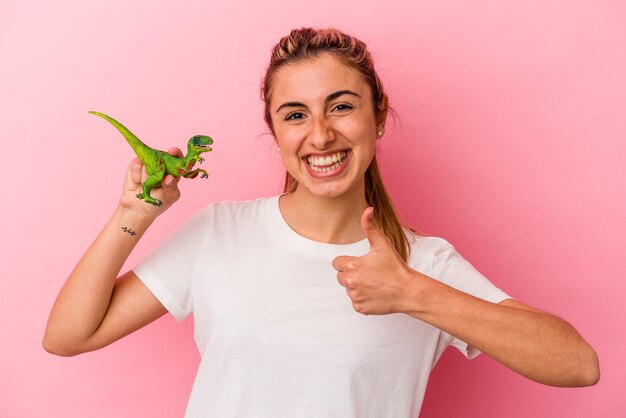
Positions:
(307, 43)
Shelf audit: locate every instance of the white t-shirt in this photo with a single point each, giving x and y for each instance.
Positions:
(277, 333)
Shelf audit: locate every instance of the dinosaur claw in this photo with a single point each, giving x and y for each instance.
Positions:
(149, 199)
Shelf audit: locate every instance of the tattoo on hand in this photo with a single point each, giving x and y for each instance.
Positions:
(130, 231)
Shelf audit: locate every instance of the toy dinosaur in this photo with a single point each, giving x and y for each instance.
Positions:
(159, 163)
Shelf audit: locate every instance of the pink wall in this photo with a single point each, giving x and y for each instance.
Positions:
(510, 143)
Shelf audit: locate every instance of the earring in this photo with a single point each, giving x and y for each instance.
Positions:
(380, 132)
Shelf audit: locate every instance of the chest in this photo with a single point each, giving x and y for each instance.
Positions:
(287, 308)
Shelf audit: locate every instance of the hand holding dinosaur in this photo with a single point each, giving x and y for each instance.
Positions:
(379, 282)
(167, 194)
(158, 163)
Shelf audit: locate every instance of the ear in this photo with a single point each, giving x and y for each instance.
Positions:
(383, 109)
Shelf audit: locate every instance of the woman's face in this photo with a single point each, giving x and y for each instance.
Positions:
(324, 123)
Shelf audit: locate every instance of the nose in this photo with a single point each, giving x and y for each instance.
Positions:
(321, 133)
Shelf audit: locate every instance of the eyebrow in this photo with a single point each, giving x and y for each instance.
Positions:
(330, 97)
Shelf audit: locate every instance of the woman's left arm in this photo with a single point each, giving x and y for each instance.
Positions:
(535, 344)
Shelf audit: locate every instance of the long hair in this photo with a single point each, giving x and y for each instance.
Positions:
(307, 43)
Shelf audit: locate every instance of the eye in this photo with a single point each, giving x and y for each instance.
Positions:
(342, 107)
(294, 116)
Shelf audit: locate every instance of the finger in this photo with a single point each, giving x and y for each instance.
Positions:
(168, 182)
(176, 152)
(343, 263)
(134, 168)
(340, 278)
(134, 161)
(143, 175)
(170, 188)
(346, 280)
(373, 233)
(367, 220)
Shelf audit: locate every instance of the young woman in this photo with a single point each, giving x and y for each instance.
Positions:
(316, 302)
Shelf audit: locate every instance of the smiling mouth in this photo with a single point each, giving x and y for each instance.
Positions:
(326, 163)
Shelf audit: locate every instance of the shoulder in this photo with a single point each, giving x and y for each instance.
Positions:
(428, 252)
(426, 242)
(427, 245)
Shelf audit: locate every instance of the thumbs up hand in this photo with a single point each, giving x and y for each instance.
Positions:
(379, 282)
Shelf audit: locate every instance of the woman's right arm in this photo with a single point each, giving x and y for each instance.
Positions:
(95, 307)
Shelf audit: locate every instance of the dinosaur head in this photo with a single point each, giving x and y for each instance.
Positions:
(199, 144)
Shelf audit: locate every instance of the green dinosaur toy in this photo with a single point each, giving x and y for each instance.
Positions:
(159, 163)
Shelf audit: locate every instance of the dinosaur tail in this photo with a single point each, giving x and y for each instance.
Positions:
(134, 142)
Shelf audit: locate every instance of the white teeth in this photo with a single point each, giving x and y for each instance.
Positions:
(324, 164)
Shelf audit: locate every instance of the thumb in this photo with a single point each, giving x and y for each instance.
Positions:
(170, 187)
(373, 233)
(176, 152)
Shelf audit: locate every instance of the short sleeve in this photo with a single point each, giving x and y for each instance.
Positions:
(451, 268)
(169, 270)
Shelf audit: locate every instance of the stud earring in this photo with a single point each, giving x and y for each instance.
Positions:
(380, 132)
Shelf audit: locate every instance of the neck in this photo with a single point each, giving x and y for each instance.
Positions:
(335, 220)
(190, 152)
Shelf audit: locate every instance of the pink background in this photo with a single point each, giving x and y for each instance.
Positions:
(510, 142)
